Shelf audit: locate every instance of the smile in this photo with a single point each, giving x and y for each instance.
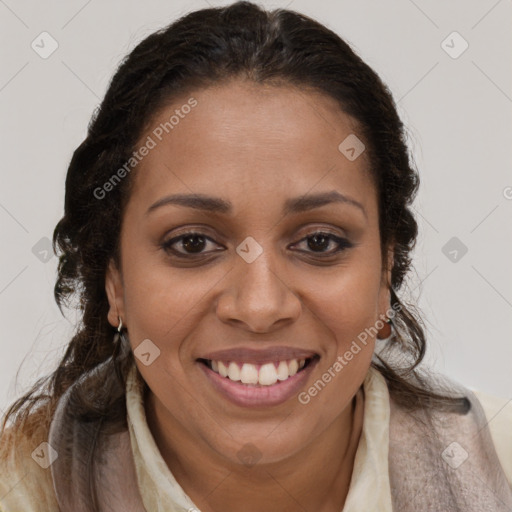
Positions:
(258, 384)
(257, 374)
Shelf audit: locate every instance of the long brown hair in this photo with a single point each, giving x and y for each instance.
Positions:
(203, 48)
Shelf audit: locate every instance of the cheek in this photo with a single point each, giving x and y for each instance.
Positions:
(347, 302)
(347, 308)
(163, 303)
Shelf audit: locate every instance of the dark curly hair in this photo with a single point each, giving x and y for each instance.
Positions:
(202, 48)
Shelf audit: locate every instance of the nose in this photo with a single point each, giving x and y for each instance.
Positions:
(258, 296)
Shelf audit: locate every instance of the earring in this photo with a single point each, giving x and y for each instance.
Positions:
(120, 349)
(388, 331)
(117, 338)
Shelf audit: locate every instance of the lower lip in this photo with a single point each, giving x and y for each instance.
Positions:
(258, 396)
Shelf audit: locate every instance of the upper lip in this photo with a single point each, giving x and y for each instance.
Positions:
(259, 356)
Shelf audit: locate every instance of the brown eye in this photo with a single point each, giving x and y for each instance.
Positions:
(193, 243)
(320, 241)
(187, 244)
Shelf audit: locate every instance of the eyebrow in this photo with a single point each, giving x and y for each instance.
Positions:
(292, 205)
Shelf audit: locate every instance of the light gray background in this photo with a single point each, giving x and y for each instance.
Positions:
(458, 112)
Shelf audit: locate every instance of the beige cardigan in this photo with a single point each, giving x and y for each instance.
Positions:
(28, 488)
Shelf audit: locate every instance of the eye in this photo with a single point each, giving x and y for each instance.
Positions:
(192, 243)
(319, 242)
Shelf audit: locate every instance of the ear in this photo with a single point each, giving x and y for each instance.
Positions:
(115, 294)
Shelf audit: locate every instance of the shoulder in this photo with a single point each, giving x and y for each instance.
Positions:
(25, 474)
(498, 412)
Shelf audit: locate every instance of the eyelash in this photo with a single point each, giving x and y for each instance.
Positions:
(343, 244)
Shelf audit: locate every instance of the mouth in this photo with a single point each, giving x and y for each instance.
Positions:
(251, 374)
(258, 384)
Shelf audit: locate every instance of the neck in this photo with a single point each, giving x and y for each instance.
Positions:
(315, 478)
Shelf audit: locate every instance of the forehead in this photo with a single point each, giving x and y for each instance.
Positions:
(252, 141)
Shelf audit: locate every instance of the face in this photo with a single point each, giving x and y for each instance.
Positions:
(258, 266)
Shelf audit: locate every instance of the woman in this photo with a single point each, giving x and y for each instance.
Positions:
(237, 229)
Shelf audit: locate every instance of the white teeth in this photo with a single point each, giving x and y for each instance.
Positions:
(267, 375)
(249, 374)
(282, 370)
(222, 369)
(293, 367)
(233, 371)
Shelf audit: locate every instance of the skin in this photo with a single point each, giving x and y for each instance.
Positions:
(254, 146)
